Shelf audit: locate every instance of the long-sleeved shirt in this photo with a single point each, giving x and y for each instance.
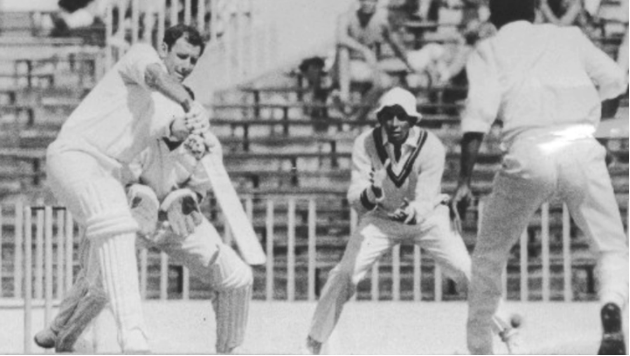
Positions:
(539, 79)
(165, 169)
(415, 176)
(120, 117)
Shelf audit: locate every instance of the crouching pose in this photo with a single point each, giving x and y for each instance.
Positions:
(396, 177)
(167, 183)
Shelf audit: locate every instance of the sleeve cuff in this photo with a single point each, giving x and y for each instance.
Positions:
(369, 198)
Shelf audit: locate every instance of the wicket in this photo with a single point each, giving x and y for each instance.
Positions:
(39, 286)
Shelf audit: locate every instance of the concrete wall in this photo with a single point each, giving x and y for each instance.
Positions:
(27, 5)
(303, 26)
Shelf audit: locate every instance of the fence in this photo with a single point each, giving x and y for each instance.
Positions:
(45, 239)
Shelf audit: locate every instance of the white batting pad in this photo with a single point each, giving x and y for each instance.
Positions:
(231, 308)
(233, 282)
(230, 271)
(119, 270)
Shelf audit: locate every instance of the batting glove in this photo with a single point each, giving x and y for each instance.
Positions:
(182, 211)
(197, 120)
(199, 144)
(144, 208)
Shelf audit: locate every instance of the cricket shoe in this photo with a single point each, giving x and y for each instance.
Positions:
(46, 338)
(612, 340)
(512, 335)
(312, 347)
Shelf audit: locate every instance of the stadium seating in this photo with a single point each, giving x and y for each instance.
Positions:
(273, 150)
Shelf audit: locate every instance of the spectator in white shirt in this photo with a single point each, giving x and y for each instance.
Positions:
(546, 84)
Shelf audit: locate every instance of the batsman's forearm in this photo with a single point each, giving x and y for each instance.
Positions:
(470, 150)
(161, 81)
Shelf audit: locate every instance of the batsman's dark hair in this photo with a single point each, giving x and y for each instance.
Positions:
(192, 36)
(503, 12)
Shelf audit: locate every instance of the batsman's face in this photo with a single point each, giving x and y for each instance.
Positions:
(181, 58)
(367, 6)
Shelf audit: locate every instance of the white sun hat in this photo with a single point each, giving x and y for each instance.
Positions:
(402, 97)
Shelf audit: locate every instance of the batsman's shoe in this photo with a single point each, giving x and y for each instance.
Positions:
(512, 336)
(46, 338)
(238, 350)
(612, 340)
(313, 347)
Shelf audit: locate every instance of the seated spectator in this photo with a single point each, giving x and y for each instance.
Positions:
(361, 34)
(441, 62)
(76, 14)
(313, 70)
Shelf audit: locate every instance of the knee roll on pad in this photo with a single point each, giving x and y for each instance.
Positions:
(230, 271)
(103, 226)
(104, 203)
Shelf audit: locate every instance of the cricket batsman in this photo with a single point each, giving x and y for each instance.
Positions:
(397, 171)
(112, 125)
(166, 181)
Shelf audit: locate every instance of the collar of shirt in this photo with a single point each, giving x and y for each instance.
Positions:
(407, 147)
(515, 26)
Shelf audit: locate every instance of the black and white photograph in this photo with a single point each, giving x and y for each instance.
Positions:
(305, 177)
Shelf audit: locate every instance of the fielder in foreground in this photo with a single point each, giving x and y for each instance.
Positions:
(546, 84)
(396, 181)
(168, 179)
(111, 126)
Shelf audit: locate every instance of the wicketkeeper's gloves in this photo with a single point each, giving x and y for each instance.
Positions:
(144, 207)
(182, 211)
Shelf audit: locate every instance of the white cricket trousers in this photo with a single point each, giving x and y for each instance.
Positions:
(216, 263)
(85, 181)
(208, 258)
(533, 170)
(374, 236)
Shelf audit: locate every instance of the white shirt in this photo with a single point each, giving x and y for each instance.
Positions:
(165, 170)
(406, 149)
(538, 79)
(120, 117)
(417, 177)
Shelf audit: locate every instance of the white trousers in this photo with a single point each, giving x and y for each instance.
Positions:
(374, 236)
(206, 256)
(87, 184)
(533, 170)
(198, 252)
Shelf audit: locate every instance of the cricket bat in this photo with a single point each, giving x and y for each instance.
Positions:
(242, 230)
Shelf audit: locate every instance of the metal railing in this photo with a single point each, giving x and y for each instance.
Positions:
(44, 240)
